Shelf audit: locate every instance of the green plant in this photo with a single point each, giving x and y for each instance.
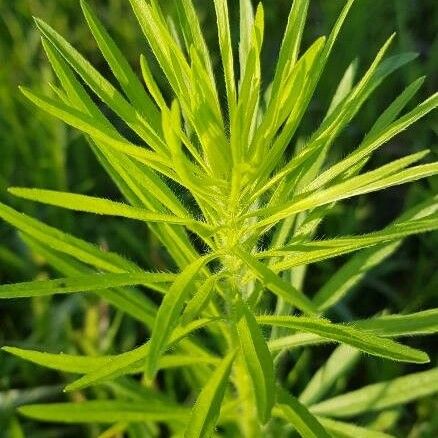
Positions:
(237, 209)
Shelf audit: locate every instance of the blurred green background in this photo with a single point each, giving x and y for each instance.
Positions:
(37, 150)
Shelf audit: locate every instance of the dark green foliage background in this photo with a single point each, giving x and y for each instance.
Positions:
(36, 150)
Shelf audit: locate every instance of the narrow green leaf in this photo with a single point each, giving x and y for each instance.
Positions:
(380, 396)
(121, 68)
(92, 365)
(193, 87)
(199, 301)
(349, 335)
(314, 251)
(340, 429)
(71, 363)
(258, 362)
(103, 87)
(171, 121)
(244, 121)
(246, 14)
(90, 204)
(299, 416)
(318, 61)
(84, 283)
(148, 187)
(151, 84)
(133, 361)
(274, 283)
(419, 323)
(353, 187)
(170, 310)
(193, 36)
(333, 125)
(87, 124)
(14, 429)
(226, 50)
(336, 366)
(393, 110)
(129, 300)
(296, 341)
(141, 187)
(181, 360)
(205, 413)
(379, 137)
(356, 268)
(287, 110)
(290, 45)
(67, 244)
(104, 412)
(344, 87)
(165, 48)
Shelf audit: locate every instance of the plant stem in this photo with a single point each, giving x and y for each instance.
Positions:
(249, 425)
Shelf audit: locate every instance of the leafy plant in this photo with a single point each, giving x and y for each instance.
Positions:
(237, 208)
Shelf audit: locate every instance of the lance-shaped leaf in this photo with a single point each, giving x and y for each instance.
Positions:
(165, 48)
(258, 362)
(103, 88)
(199, 301)
(299, 416)
(91, 204)
(133, 361)
(139, 184)
(290, 45)
(205, 413)
(274, 283)
(355, 186)
(349, 335)
(92, 365)
(315, 251)
(286, 110)
(74, 363)
(84, 283)
(418, 323)
(243, 122)
(226, 50)
(151, 84)
(380, 396)
(125, 168)
(336, 366)
(97, 369)
(89, 125)
(105, 412)
(192, 32)
(377, 137)
(121, 68)
(296, 341)
(356, 268)
(246, 14)
(128, 300)
(348, 430)
(312, 79)
(67, 244)
(170, 310)
(344, 87)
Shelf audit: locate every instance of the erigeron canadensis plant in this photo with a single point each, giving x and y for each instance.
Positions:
(215, 180)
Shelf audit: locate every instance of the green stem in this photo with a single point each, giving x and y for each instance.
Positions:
(249, 424)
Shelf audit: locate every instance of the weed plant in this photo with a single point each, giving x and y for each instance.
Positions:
(223, 181)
